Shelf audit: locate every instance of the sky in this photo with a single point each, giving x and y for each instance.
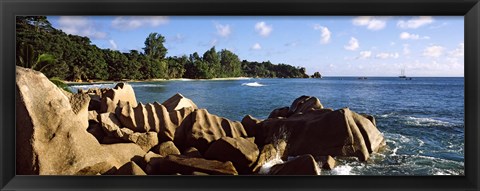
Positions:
(331, 45)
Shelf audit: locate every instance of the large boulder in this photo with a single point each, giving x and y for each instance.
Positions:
(167, 148)
(302, 165)
(251, 124)
(192, 152)
(173, 164)
(111, 97)
(327, 162)
(304, 104)
(202, 128)
(152, 117)
(51, 139)
(79, 103)
(270, 152)
(241, 152)
(323, 132)
(279, 112)
(177, 102)
(300, 105)
(124, 152)
(130, 168)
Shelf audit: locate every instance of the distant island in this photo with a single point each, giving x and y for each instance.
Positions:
(74, 58)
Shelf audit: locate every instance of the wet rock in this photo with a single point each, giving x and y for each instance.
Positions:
(302, 165)
(269, 152)
(323, 132)
(328, 163)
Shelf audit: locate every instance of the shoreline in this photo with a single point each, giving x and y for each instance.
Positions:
(153, 80)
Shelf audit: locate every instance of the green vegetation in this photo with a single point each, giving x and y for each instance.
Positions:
(74, 58)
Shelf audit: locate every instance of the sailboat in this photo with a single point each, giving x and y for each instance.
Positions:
(402, 74)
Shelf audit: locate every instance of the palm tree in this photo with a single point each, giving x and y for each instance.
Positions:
(27, 58)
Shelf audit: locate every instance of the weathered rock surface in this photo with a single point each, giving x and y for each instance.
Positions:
(270, 152)
(251, 125)
(105, 131)
(173, 164)
(152, 117)
(304, 104)
(50, 136)
(111, 97)
(324, 132)
(241, 152)
(178, 101)
(327, 162)
(302, 165)
(204, 128)
(279, 112)
(79, 103)
(124, 152)
(130, 168)
(93, 116)
(167, 148)
(192, 152)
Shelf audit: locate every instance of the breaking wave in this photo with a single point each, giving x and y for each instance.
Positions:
(253, 84)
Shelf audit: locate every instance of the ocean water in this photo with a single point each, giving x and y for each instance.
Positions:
(422, 119)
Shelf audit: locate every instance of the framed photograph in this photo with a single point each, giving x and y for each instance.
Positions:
(267, 95)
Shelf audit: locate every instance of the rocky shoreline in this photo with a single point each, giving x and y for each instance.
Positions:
(107, 132)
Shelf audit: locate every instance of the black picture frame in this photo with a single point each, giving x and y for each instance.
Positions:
(470, 9)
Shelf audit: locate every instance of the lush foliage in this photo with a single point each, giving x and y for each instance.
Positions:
(72, 57)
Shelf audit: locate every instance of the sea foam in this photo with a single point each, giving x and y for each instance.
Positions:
(253, 84)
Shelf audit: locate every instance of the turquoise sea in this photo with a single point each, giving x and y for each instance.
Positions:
(422, 119)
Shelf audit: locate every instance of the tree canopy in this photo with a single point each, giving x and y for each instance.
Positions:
(72, 57)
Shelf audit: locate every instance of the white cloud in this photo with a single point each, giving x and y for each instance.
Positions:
(256, 46)
(352, 44)
(406, 35)
(263, 29)
(433, 51)
(113, 45)
(415, 22)
(134, 22)
(459, 51)
(386, 55)
(365, 54)
(326, 34)
(406, 49)
(223, 30)
(80, 25)
(372, 23)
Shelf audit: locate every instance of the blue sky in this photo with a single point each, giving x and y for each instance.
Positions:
(334, 46)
